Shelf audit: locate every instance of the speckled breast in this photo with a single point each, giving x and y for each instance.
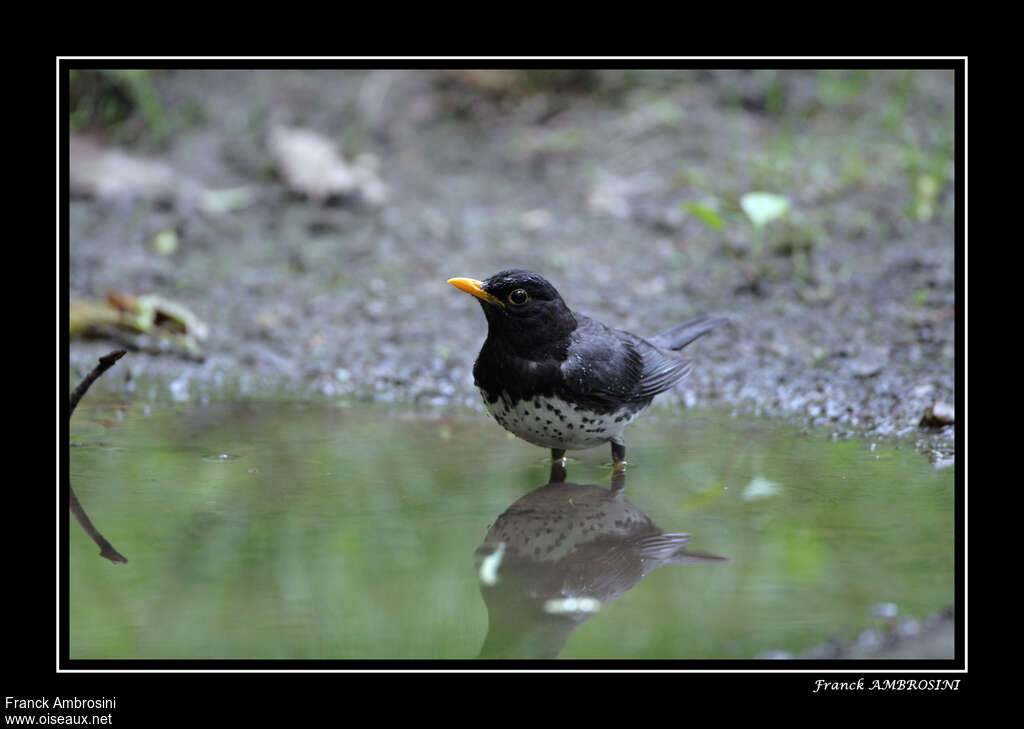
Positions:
(553, 423)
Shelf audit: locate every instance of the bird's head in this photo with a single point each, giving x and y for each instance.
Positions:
(522, 308)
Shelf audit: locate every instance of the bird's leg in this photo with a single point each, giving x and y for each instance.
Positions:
(618, 480)
(618, 456)
(558, 472)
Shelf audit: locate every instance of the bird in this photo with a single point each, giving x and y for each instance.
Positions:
(561, 380)
(561, 552)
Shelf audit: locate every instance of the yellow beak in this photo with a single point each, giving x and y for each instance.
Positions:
(472, 286)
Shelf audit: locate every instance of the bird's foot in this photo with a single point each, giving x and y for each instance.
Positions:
(618, 468)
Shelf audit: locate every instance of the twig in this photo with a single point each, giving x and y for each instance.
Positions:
(106, 548)
(106, 362)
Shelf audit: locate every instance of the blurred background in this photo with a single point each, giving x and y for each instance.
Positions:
(291, 231)
(293, 456)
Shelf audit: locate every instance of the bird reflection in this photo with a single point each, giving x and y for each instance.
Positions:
(559, 553)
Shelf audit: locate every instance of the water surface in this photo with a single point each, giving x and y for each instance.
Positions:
(348, 531)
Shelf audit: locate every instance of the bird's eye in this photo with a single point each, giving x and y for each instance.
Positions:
(518, 297)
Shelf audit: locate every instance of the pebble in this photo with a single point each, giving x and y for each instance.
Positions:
(885, 610)
(938, 415)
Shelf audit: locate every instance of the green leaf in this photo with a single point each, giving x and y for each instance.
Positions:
(165, 242)
(764, 207)
(708, 216)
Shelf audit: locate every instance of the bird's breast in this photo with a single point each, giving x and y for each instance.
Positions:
(551, 422)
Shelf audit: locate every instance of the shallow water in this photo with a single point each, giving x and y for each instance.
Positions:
(349, 531)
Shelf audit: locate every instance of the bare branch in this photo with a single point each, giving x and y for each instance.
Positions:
(106, 362)
(106, 548)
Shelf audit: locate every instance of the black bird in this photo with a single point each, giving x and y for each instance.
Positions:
(561, 380)
(561, 552)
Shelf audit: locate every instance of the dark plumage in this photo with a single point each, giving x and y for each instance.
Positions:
(560, 379)
(561, 552)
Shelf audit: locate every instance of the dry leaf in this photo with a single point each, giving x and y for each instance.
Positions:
(113, 174)
(310, 165)
(149, 314)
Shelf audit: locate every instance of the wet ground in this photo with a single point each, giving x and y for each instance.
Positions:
(842, 310)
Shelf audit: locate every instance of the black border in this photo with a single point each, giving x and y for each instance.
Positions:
(767, 675)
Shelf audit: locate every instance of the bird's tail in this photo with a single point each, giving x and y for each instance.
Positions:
(682, 334)
(669, 547)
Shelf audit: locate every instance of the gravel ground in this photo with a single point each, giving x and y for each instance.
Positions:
(933, 638)
(843, 310)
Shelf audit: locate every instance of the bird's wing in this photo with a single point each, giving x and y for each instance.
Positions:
(662, 370)
(609, 367)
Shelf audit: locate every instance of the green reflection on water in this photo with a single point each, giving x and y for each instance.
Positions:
(350, 532)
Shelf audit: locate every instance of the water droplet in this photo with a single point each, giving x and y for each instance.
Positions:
(220, 457)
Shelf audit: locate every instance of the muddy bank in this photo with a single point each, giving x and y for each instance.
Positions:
(623, 188)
